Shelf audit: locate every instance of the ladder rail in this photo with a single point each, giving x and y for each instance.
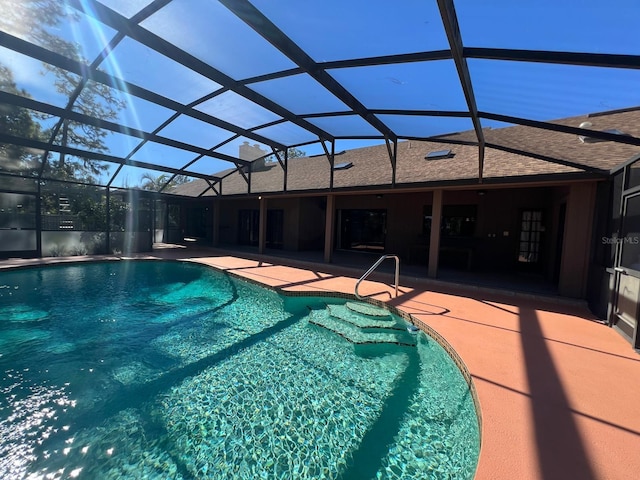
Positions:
(373, 267)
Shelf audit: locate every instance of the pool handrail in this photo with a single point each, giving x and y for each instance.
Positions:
(373, 267)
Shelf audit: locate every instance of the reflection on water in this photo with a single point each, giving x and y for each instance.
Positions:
(164, 370)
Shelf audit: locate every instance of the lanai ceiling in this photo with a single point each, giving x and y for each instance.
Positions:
(118, 92)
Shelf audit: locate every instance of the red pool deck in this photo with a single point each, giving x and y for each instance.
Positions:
(559, 392)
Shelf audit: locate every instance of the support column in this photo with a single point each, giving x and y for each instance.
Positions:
(262, 228)
(216, 223)
(434, 240)
(39, 222)
(107, 200)
(576, 246)
(328, 229)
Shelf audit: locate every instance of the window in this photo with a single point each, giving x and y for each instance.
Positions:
(531, 231)
(363, 230)
(426, 220)
(249, 228)
(459, 220)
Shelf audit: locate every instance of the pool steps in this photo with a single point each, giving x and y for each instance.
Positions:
(362, 321)
(368, 310)
(362, 329)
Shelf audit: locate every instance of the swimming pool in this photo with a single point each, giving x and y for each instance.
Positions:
(170, 370)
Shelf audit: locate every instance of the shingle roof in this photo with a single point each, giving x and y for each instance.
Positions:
(372, 166)
(604, 155)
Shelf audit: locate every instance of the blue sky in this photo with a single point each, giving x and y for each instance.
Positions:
(331, 30)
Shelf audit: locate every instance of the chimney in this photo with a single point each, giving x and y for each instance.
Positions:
(250, 153)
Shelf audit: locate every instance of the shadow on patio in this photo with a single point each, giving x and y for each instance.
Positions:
(557, 389)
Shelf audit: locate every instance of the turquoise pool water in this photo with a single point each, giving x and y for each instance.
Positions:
(167, 370)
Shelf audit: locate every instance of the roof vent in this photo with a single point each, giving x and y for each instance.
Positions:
(613, 131)
(439, 154)
(343, 165)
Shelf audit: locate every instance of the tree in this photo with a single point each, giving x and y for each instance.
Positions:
(293, 152)
(17, 121)
(31, 19)
(149, 182)
(39, 22)
(95, 100)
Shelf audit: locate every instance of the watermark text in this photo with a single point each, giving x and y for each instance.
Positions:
(629, 240)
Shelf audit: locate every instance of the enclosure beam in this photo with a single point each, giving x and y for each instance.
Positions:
(39, 220)
(556, 127)
(392, 150)
(331, 157)
(155, 42)
(285, 169)
(59, 61)
(606, 60)
(546, 158)
(276, 37)
(452, 29)
(30, 143)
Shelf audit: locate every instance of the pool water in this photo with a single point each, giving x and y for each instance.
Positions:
(170, 370)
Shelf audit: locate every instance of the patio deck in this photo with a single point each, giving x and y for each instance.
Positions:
(558, 390)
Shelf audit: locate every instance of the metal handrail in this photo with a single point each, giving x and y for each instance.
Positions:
(373, 267)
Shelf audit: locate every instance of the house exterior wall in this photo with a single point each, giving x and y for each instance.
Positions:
(493, 247)
(229, 217)
(577, 240)
(498, 223)
(404, 216)
(296, 227)
(312, 211)
(291, 227)
(404, 222)
(495, 242)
